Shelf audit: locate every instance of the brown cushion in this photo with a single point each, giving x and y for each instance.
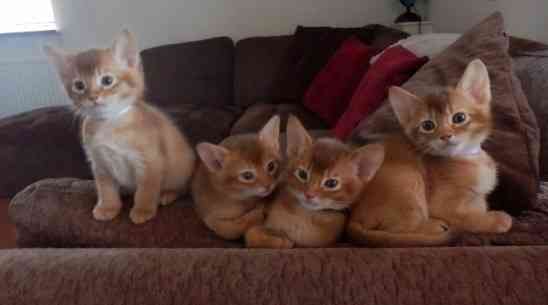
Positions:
(256, 63)
(310, 50)
(531, 67)
(514, 143)
(197, 72)
(256, 116)
(58, 213)
(43, 143)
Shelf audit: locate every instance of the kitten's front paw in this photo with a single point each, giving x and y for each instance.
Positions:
(502, 221)
(139, 216)
(168, 197)
(103, 212)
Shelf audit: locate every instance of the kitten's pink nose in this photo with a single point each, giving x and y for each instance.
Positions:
(309, 196)
(93, 98)
(446, 137)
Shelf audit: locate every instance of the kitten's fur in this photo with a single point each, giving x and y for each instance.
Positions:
(433, 178)
(226, 202)
(130, 144)
(306, 212)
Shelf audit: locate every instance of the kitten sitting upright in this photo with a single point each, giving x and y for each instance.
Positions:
(436, 169)
(234, 179)
(323, 179)
(130, 144)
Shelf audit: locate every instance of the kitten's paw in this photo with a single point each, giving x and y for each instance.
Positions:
(502, 221)
(168, 198)
(104, 212)
(139, 216)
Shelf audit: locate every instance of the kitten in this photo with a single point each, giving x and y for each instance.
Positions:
(235, 179)
(436, 174)
(130, 144)
(323, 179)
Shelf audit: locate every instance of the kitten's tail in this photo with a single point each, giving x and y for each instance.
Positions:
(377, 238)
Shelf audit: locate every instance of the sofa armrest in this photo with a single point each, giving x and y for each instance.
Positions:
(38, 144)
(489, 275)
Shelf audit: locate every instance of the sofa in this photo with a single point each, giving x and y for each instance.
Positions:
(217, 88)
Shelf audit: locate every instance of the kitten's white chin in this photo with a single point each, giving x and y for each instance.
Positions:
(109, 108)
(456, 150)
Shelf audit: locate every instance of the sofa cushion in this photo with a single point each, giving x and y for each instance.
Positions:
(198, 72)
(256, 62)
(312, 47)
(256, 116)
(514, 142)
(43, 143)
(531, 67)
(58, 213)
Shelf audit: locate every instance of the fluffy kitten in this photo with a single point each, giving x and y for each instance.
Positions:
(130, 144)
(323, 179)
(234, 179)
(436, 174)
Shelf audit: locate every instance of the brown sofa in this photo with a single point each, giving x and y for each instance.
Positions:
(222, 88)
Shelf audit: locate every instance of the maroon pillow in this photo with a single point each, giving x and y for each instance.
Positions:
(311, 49)
(330, 92)
(394, 67)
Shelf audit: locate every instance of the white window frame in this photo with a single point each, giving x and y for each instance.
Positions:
(22, 16)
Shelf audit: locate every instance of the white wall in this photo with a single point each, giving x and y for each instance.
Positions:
(525, 18)
(26, 80)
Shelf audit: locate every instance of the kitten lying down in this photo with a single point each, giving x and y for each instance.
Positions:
(435, 175)
(129, 143)
(322, 180)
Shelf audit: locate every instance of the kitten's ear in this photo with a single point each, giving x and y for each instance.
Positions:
(61, 60)
(475, 81)
(298, 140)
(213, 156)
(270, 134)
(125, 50)
(404, 103)
(367, 160)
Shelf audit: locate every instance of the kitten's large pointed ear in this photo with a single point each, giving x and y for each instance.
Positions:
(213, 156)
(125, 50)
(367, 160)
(298, 140)
(270, 134)
(404, 103)
(59, 58)
(475, 81)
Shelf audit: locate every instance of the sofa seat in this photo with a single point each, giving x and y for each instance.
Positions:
(451, 276)
(57, 213)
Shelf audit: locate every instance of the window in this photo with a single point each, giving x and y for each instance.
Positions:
(26, 16)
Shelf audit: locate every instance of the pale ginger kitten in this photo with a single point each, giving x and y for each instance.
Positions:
(130, 144)
(235, 178)
(436, 175)
(323, 179)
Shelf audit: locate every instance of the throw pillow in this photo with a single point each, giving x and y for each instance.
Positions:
(329, 93)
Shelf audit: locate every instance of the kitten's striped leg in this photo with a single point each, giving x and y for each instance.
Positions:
(147, 196)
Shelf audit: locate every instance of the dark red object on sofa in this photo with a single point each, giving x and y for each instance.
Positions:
(393, 68)
(332, 88)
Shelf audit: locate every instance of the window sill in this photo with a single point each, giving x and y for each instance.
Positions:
(34, 28)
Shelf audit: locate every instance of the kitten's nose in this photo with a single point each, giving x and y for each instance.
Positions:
(93, 98)
(446, 137)
(309, 196)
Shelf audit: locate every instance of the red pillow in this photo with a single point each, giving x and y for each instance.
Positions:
(395, 66)
(332, 88)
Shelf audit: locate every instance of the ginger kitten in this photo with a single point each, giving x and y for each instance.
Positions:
(437, 174)
(234, 179)
(323, 179)
(130, 144)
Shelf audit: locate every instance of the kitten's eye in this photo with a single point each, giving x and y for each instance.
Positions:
(78, 86)
(247, 176)
(428, 126)
(301, 174)
(459, 118)
(272, 166)
(107, 80)
(331, 184)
